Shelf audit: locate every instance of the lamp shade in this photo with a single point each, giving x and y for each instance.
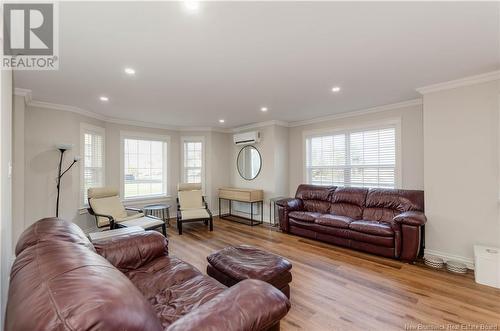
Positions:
(64, 147)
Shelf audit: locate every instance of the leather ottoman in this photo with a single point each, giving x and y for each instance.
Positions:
(236, 263)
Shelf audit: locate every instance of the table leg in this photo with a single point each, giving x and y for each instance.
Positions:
(251, 213)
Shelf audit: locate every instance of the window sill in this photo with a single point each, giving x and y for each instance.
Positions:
(144, 201)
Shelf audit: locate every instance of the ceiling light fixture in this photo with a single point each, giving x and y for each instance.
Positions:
(335, 89)
(104, 99)
(221, 121)
(191, 6)
(129, 71)
(263, 109)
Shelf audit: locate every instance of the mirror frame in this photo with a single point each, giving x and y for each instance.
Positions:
(260, 157)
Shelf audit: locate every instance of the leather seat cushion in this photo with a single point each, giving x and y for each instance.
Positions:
(247, 262)
(304, 216)
(334, 220)
(174, 287)
(372, 227)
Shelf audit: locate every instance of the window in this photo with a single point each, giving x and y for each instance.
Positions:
(92, 149)
(365, 158)
(144, 167)
(193, 160)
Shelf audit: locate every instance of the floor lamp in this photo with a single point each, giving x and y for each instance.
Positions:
(63, 148)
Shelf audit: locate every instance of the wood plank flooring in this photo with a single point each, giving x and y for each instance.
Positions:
(340, 289)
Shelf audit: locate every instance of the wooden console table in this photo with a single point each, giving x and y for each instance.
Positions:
(250, 196)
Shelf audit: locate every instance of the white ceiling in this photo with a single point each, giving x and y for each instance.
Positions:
(231, 58)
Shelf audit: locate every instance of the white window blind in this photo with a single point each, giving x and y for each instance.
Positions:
(93, 160)
(193, 161)
(144, 168)
(353, 158)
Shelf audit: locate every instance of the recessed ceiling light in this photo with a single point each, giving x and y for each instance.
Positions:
(104, 99)
(129, 71)
(191, 6)
(335, 89)
(221, 121)
(264, 109)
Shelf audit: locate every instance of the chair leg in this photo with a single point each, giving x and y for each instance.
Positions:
(211, 224)
(205, 222)
(164, 229)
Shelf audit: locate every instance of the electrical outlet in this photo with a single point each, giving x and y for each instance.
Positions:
(9, 171)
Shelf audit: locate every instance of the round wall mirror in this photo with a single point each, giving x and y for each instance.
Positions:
(249, 162)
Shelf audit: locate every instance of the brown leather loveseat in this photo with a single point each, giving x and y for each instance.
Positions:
(60, 281)
(385, 222)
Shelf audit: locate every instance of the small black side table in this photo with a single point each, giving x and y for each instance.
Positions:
(158, 210)
(272, 210)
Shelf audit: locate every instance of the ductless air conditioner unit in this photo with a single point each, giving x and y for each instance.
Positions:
(246, 138)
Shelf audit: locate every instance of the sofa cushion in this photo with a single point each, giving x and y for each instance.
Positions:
(314, 192)
(174, 287)
(348, 201)
(384, 204)
(315, 198)
(52, 229)
(372, 227)
(304, 216)
(334, 220)
(66, 286)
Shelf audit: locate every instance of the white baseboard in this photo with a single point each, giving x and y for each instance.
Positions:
(447, 257)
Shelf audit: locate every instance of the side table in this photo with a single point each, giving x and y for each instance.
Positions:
(272, 210)
(159, 210)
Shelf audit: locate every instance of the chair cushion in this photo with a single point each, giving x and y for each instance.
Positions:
(144, 222)
(102, 192)
(372, 227)
(334, 221)
(193, 214)
(305, 216)
(190, 200)
(108, 206)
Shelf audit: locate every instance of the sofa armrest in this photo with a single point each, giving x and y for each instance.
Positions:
(250, 305)
(291, 204)
(129, 252)
(415, 218)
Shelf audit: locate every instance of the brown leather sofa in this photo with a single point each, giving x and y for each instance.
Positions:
(60, 281)
(385, 222)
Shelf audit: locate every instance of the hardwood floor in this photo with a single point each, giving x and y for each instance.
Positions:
(340, 289)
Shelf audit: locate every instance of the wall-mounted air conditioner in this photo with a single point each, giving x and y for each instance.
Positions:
(246, 138)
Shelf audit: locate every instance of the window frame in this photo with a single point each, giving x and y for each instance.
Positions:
(93, 129)
(166, 167)
(348, 129)
(201, 139)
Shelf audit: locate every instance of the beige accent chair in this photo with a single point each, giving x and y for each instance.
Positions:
(191, 206)
(106, 206)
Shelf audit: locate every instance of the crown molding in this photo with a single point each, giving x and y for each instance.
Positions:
(259, 125)
(466, 81)
(354, 113)
(27, 95)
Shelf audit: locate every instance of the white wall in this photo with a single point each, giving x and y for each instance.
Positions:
(273, 148)
(44, 128)
(6, 251)
(411, 141)
(461, 169)
(18, 166)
